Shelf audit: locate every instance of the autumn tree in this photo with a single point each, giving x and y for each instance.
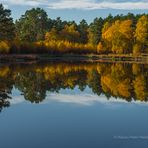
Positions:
(70, 33)
(118, 36)
(52, 35)
(141, 33)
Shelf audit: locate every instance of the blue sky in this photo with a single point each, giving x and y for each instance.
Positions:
(78, 9)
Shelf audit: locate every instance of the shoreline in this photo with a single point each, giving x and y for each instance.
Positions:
(126, 58)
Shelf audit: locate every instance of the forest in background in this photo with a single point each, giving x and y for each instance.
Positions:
(36, 33)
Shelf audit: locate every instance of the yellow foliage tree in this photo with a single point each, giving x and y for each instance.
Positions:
(70, 33)
(141, 32)
(118, 36)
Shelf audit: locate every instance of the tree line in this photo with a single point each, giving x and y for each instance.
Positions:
(35, 32)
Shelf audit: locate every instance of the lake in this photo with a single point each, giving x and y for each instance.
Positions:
(73, 105)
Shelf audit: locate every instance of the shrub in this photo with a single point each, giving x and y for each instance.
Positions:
(4, 47)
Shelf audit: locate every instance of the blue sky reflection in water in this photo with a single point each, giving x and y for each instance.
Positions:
(71, 117)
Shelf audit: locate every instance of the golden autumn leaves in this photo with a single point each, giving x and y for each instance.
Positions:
(120, 37)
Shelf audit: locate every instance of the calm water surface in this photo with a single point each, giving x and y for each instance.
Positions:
(73, 105)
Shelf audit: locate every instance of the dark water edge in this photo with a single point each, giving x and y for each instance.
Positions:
(33, 58)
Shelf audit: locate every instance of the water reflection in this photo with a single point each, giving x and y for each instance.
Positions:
(121, 81)
(4, 100)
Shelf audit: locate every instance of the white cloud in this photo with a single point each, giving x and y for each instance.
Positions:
(82, 4)
(92, 4)
(25, 2)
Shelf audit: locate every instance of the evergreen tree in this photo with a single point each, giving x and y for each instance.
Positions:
(83, 30)
(95, 31)
(7, 28)
(33, 25)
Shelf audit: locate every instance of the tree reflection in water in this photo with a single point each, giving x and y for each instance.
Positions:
(4, 100)
(121, 81)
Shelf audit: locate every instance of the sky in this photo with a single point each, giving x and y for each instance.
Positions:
(77, 9)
